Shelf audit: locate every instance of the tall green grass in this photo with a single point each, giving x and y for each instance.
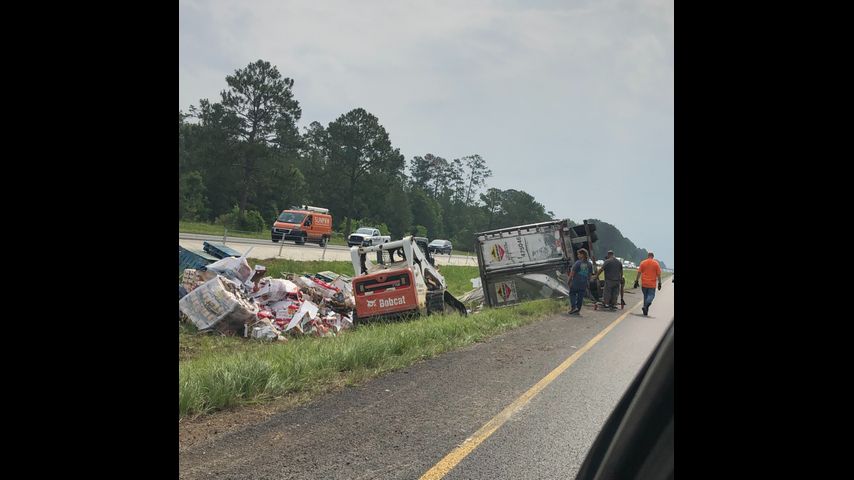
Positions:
(277, 266)
(216, 379)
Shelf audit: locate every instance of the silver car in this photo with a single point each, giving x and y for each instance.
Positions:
(440, 246)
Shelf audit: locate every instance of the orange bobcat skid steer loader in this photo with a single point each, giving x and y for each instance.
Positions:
(400, 282)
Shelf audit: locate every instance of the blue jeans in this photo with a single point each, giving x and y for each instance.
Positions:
(648, 296)
(575, 298)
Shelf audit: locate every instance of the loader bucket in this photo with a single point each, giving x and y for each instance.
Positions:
(454, 303)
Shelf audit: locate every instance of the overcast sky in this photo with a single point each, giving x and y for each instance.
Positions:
(571, 101)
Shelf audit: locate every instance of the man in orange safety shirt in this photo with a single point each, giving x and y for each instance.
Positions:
(648, 271)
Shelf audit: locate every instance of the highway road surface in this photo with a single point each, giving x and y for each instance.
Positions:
(526, 404)
(262, 249)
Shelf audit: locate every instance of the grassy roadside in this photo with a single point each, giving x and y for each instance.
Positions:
(218, 372)
(192, 346)
(253, 372)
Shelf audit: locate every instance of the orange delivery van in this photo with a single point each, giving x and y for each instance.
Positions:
(303, 224)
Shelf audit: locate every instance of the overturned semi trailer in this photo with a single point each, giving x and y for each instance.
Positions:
(530, 262)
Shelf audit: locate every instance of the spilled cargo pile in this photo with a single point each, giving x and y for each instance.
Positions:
(231, 297)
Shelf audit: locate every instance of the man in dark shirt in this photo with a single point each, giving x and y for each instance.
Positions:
(613, 279)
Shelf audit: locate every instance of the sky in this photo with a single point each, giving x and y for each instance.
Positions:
(570, 101)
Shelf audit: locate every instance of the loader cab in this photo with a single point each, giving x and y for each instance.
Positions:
(423, 244)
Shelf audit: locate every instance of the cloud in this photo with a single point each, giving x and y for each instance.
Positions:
(557, 96)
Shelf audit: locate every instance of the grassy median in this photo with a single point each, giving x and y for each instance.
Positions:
(218, 230)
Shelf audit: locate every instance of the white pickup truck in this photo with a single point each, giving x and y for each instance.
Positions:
(364, 237)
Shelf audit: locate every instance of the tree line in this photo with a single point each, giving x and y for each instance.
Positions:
(610, 238)
(242, 160)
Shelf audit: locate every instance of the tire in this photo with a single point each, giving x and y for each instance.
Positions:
(300, 241)
(323, 242)
(276, 240)
(435, 302)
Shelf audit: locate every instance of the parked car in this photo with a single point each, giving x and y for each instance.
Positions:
(366, 236)
(440, 246)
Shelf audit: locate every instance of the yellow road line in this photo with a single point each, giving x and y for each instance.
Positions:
(458, 454)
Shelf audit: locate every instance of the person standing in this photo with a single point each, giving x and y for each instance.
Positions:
(579, 276)
(613, 279)
(648, 271)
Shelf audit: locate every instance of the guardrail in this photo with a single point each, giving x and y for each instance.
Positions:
(228, 233)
